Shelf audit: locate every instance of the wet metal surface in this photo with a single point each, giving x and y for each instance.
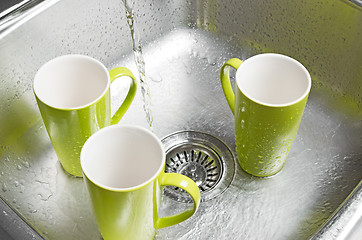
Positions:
(185, 44)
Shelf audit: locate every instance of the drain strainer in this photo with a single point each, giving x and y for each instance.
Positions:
(203, 158)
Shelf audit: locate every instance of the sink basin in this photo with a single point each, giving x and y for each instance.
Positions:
(185, 44)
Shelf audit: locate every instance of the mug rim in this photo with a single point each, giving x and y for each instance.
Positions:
(81, 56)
(282, 56)
(123, 189)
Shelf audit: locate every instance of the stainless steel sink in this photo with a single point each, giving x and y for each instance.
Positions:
(185, 44)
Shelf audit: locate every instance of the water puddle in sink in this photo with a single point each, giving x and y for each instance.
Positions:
(140, 63)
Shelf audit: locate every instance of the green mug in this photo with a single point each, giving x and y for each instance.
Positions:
(123, 169)
(271, 91)
(73, 96)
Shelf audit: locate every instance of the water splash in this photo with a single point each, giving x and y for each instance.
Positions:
(140, 63)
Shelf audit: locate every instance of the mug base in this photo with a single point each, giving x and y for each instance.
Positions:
(263, 175)
(76, 175)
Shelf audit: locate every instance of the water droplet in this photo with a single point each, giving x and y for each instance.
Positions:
(26, 164)
(4, 187)
(159, 79)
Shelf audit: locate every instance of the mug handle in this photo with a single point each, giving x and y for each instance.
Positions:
(225, 80)
(185, 183)
(122, 72)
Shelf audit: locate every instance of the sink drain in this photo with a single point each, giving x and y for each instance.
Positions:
(203, 158)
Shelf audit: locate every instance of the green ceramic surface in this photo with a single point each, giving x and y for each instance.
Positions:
(133, 213)
(68, 129)
(263, 134)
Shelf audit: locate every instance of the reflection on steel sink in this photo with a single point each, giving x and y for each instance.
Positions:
(185, 44)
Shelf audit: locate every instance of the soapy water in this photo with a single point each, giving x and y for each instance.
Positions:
(139, 60)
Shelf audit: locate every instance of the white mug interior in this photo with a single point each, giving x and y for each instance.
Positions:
(122, 157)
(71, 82)
(273, 79)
